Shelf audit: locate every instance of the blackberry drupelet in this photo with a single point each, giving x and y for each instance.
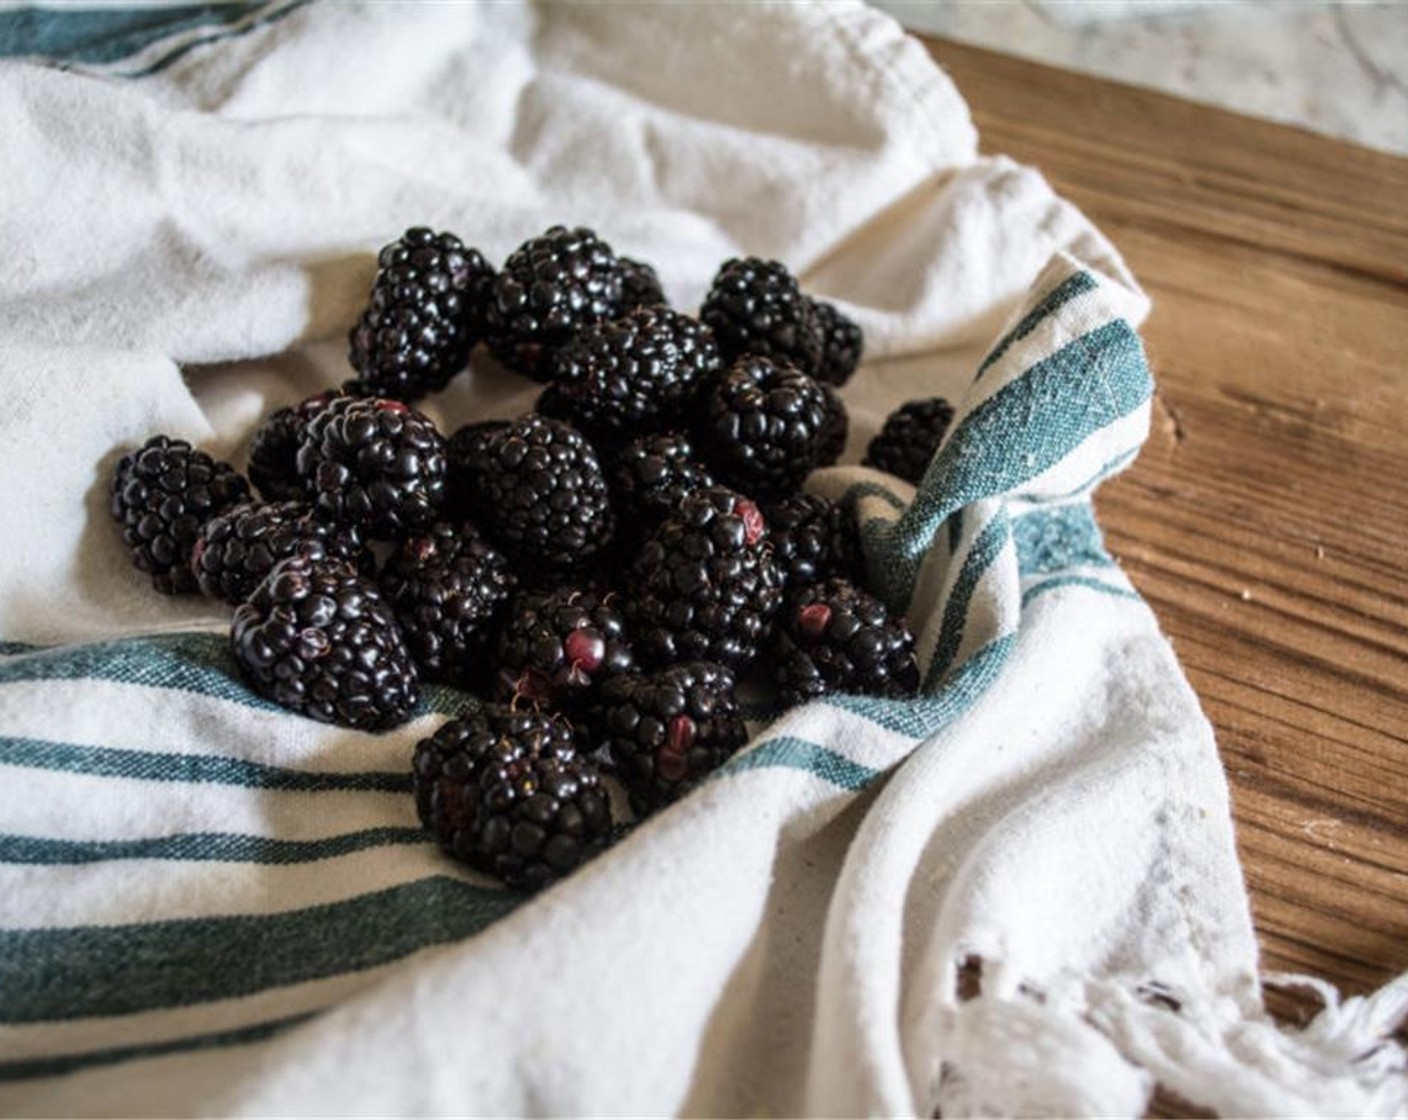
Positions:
(538, 491)
(506, 792)
(375, 464)
(705, 585)
(812, 539)
(911, 435)
(755, 307)
(831, 444)
(162, 494)
(640, 285)
(633, 374)
(425, 314)
(273, 452)
(834, 637)
(237, 549)
(761, 426)
(554, 646)
(667, 730)
(448, 587)
(549, 288)
(843, 342)
(652, 475)
(463, 459)
(318, 638)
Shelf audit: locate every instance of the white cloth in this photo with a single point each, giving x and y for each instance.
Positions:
(209, 905)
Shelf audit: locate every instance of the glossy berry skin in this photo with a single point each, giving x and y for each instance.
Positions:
(651, 476)
(424, 315)
(835, 637)
(374, 464)
(555, 646)
(705, 585)
(843, 343)
(667, 730)
(273, 452)
(162, 494)
(506, 792)
(755, 307)
(812, 539)
(910, 437)
(462, 451)
(640, 285)
(319, 639)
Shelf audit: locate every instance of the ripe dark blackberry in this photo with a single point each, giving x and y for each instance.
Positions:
(667, 730)
(831, 444)
(812, 539)
(843, 342)
(462, 460)
(273, 452)
(633, 374)
(549, 288)
(538, 491)
(448, 588)
(424, 316)
(506, 792)
(238, 548)
(705, 585)
(640, 284)
(318, 638)
(375, 464)
(834, 637)
(911, 435)
(761, 426)
(162, 494)
(553, 402)
(555, 645)
(755, 307)
(652, 475)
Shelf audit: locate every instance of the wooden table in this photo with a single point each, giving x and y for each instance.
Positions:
(1266, 521)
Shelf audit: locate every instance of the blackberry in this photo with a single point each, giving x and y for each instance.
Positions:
(448, 588)
(162, 494)
(506, 792)
(375, 464)
(236, 549)
(273, 452)
(633, 374)
(553, 402)
(537, 489)
(549, 288)
(555, 645)
(755, 307)
(812, 538)
(831, 444)
(640, 284)
(834, 637)
(652, 475)
(463, 452)
(842, 344)
(705, 585)
(911, 435)
(667, 730)
(318, 638)
(761, 426)
(424, 316)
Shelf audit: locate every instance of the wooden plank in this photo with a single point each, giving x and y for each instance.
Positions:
(1267, 520)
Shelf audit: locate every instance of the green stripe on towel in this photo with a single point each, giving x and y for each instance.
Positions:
(990, 542)
(213, 847)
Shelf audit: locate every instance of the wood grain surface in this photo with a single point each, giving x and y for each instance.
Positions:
(1266, 521)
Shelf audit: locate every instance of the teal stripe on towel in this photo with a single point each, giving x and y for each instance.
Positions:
(73, 973)
(97, 35)
(1058, 297)
(212, 847)
(1085, 582)
(799, 754)
(1052, 539)
(989, 544)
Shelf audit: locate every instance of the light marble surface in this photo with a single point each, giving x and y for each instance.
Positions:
(1336, 68)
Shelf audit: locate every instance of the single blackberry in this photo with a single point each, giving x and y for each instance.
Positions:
(448, 588)
(911, 435)
(633, 374)
(812, 539)
(506, 792)
(640, 284)
(834, 637)
(463, 458)
(273, 452)
(162, 494)
(537, 489)
(652, 475)
(555, 645)
(237, 549)
(549, 288)
(667, 730)
(755, 307)
(376, 464)
(831, 444)
(318, 638)
(424, 316)
(553, 402)
(761, 426)
(843, 342)
(705, 585)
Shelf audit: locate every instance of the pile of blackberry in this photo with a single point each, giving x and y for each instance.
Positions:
(604, 572)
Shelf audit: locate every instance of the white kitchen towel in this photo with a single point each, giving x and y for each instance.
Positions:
(1015, 894)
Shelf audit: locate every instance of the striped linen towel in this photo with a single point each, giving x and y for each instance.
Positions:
(1017, 893)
